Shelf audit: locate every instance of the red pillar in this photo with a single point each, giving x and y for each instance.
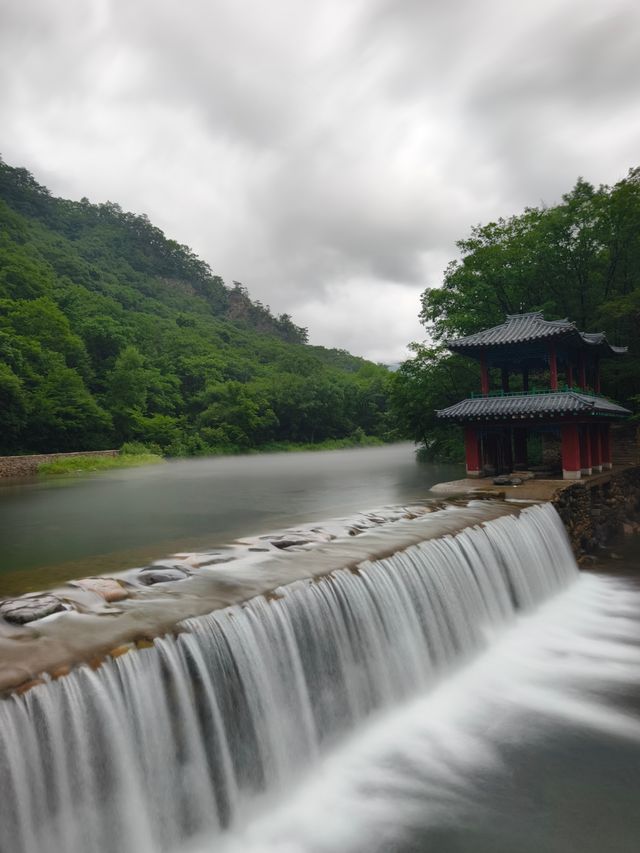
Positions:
(520, 449)
(472, 451)
(607, 461)
(484, 374)
(570, 451)
(553, 367)
(596, 456)
(582, 377)
(570, 375)
(585, 450)
(596, 381)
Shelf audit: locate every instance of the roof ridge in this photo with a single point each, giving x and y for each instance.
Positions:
(524, 314)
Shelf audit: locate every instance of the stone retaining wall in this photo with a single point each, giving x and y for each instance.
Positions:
(24, 466)
(597, 509)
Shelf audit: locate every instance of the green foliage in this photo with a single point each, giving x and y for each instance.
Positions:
(431, 380)
(112, 333)
(579, 259)
(137, 448)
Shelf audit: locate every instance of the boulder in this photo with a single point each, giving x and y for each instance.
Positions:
(28, 608)
(107, 588)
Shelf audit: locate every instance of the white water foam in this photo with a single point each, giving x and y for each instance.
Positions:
(201, 732)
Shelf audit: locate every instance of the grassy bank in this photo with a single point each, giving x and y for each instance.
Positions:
(133, 455)
(128, 458)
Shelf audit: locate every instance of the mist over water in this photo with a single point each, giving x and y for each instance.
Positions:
(53, 529)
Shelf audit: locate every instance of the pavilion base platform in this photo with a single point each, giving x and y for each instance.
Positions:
(530, 490)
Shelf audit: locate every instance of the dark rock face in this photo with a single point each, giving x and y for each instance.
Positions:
(19, 611)
(596, 511)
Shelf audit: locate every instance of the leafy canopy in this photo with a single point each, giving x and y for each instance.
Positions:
(111, 332)
(578, 259)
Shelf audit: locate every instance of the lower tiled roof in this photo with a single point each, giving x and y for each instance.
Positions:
(531, 405)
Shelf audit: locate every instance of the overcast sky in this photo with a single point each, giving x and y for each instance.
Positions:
(326, 153)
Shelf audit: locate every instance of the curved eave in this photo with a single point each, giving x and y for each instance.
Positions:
(598, 340)
(557, 404)
(576, 339)
(531, 328)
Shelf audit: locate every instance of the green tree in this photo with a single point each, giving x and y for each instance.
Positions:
(242, 414)
(13, 408)
(63, 415)
(431, 380)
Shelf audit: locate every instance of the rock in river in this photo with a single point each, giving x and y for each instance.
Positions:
(160, 573)
(28, 608)
(107, 588)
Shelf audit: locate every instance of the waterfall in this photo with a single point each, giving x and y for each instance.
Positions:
(191, 735)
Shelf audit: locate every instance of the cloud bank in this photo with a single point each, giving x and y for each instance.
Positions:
(326, 153)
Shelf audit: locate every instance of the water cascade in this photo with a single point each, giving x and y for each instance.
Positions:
(199, 732)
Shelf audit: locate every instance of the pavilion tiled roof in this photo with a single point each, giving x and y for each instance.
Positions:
(516, 406)
(525, 328)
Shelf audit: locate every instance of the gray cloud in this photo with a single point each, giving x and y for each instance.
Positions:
(328, 153)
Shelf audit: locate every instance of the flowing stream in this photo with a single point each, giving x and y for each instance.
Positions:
(381, 707)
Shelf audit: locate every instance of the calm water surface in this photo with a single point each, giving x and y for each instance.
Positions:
(52, 529)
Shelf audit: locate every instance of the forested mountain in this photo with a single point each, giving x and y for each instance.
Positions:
(579, 259)
(111, 332)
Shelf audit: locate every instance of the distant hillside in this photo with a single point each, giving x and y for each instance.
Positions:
(111, 332)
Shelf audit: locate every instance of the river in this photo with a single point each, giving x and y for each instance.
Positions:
(56, 528)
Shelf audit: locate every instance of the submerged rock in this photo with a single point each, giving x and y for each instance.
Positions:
(219, 559)
(19, 611)
(151, 575)
(289, 541)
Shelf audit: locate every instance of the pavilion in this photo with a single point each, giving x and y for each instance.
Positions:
(499, 424)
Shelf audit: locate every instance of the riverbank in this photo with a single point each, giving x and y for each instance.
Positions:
(90, 464)
(27, 466)
(135, 455)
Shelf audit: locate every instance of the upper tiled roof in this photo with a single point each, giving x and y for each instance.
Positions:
(523, 328)
(531, 405)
